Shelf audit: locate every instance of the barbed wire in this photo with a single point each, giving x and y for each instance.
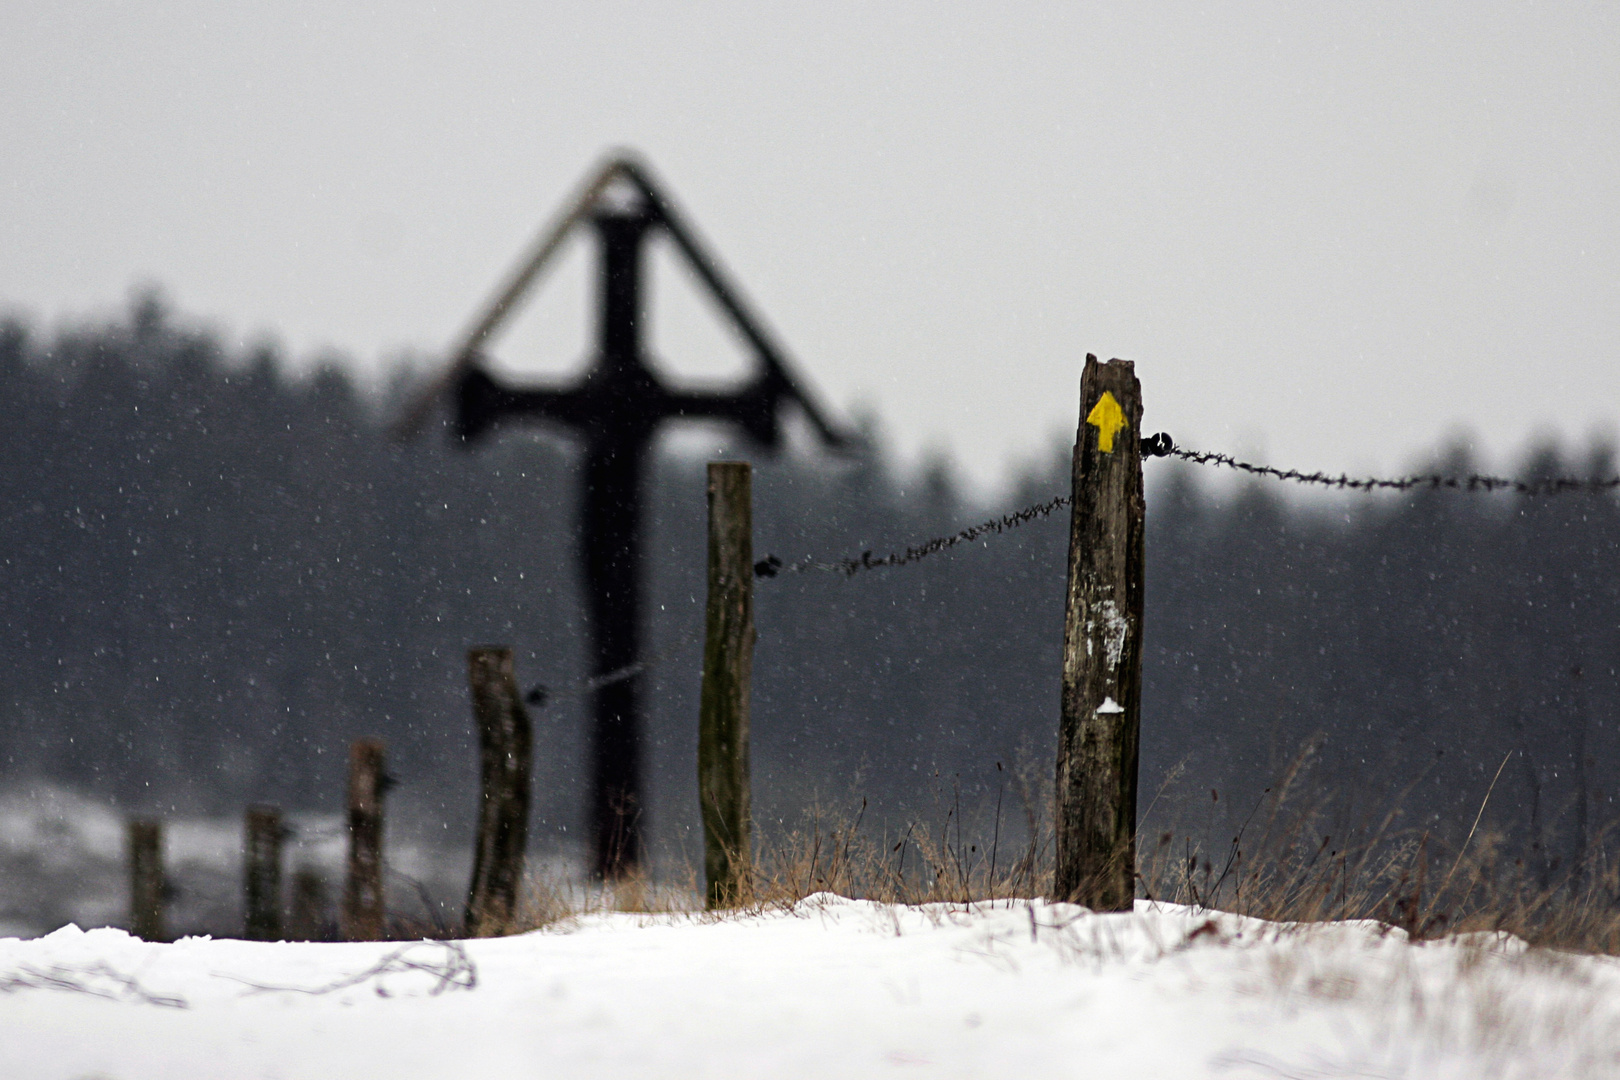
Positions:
(1152, 446)
(771, 566)
(1162, 445)
(1555, 485)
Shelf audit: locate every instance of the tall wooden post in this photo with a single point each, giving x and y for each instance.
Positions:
(144, 845)
(728, 665)
(505, 750)
(363, 907)
(1102, 648)
(261, 874)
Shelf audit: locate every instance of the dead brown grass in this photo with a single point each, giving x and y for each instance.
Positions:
(1283, 866)
(1279, 866)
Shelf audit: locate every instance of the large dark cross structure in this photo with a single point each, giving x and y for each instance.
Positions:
(615, 409)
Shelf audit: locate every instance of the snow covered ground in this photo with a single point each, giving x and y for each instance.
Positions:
(834, 988)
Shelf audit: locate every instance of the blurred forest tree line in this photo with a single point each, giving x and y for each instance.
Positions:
(216, 574)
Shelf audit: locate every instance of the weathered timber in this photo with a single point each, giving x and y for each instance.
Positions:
(728, 664)
(309, 919)
(261, 874)
(505, 741)
(364, 912)
(1098, 738)
(147, 885)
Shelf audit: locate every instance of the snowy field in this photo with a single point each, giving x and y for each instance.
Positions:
(834, 988)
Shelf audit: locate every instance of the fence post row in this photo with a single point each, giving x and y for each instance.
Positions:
(505, 740)
(1098, 736)
(261, 874)
(363, 910)
(728, 663)
(144, 845)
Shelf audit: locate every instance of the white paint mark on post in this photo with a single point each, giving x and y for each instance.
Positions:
(1110, 707)
(1116, 628)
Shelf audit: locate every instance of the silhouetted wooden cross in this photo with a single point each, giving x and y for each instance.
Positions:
(616, 408)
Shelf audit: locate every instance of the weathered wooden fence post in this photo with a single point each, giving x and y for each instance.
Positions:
(261, 874)
(144, 843)
(364, 913)
(728, 664)
(1102, 647)
(505, 743)
(309, 919)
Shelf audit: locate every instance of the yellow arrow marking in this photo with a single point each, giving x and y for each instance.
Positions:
(1107, 417)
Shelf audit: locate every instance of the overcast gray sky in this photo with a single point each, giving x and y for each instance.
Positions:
(1330, 235)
